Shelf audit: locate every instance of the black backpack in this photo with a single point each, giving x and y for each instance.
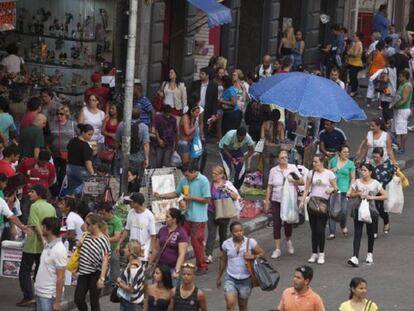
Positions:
(136, 144)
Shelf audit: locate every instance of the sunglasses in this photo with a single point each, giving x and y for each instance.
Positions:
(188, 265)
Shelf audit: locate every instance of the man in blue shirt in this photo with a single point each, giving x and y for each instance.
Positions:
(380, 22)
(231, 152)
(144, 104)
(195, 189)
(331, 139)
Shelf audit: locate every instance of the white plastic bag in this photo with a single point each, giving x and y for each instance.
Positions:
(288, 209)
(364, 213)
(175, 159)
(259, 146)
(395, 196)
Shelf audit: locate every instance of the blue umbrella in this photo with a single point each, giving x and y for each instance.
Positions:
(309, 95)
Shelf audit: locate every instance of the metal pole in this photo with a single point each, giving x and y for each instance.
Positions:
(129, 86)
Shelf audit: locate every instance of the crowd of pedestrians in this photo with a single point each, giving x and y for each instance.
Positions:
(47, 155)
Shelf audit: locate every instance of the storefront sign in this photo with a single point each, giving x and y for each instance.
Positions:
(7, 15)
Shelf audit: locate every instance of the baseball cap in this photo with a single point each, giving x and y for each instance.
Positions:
(136, 197)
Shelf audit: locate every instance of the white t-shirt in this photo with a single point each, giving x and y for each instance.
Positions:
(141, 227)
(4, 209)
(95, 119)
(54, 257)
(371, 189)
(12, 63)
(75, 222)
(277, 179)
(203, 90)
(320, 182)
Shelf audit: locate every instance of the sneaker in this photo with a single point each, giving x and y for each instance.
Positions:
(209, 259)
(411, 128)
(353, 261)
(370, 258)
(313, 258)
(276, 254)
(290, 248)
(321, 258)
(375, 235)
(331, 237)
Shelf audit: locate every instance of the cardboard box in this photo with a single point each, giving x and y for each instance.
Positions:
(11, 256)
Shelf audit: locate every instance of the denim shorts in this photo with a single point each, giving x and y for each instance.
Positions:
(240, 287)
(183, 146)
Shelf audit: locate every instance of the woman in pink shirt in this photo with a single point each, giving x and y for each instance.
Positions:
(320, 183)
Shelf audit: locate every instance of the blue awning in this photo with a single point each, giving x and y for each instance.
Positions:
(217, 13)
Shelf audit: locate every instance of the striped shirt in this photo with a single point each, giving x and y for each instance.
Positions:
(91, 254)
(134, 277)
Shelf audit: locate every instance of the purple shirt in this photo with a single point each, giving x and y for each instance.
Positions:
(167, 128)
(170, 254)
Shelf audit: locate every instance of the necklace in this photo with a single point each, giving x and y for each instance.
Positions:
(187, 293)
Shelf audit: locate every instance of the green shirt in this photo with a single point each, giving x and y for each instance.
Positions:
(343, 175)
(114, 225)
(406, 104)
(30, 138)
(39, 210)
(232, 143)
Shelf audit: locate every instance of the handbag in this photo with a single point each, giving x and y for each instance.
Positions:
(196, 147)
(225, 208)
(318, 206)
(335, 206)
(149, 271)
(73, 262)
(107, 154)
(267, 277)
(250, 268)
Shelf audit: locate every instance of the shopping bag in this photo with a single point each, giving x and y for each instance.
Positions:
(395, 196)
(225, 208)
(288, 209)
(196, 147)
(267, 277)
(259, 146)
(364, 213)
(176, 159)
(335, 206)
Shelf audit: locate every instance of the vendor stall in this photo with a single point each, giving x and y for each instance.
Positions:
(61, 43)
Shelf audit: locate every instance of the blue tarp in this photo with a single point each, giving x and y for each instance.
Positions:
(217, 13)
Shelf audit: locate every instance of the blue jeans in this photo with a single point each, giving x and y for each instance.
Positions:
(242, 288)
(75, 174)
(127, 306)
(44, 304)
(344, 216)
(229, 166)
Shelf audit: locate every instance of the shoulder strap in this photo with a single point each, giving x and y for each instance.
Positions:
(163, 248)
(248, 245)
(310, 186)
(368, 305)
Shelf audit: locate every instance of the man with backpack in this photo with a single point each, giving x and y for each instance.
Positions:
(140, 141)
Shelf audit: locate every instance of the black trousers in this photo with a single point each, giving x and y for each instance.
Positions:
(353, 77)
(87, 283)
(387, 113)
(212, 225)
(318, 225)
(383, 214)
(358, 228)
(25, 273)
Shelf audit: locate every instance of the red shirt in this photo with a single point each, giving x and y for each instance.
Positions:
(37, 175)
(27, 119)
(6, 168)
(102, 92)
(110, 128)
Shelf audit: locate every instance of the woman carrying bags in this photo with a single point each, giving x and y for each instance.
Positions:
(221, 190)
(95, 250)
(384, 171)
(237, 281)
(131, 282)
(320, 183)
(344, 170)
(277, 177)
(366, 187)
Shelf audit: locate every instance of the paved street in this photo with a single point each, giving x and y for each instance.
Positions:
(389, 278)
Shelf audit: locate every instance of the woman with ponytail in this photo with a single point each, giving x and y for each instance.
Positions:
(94, 256)
(79, 159)
(358, 297)
(171, 244)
